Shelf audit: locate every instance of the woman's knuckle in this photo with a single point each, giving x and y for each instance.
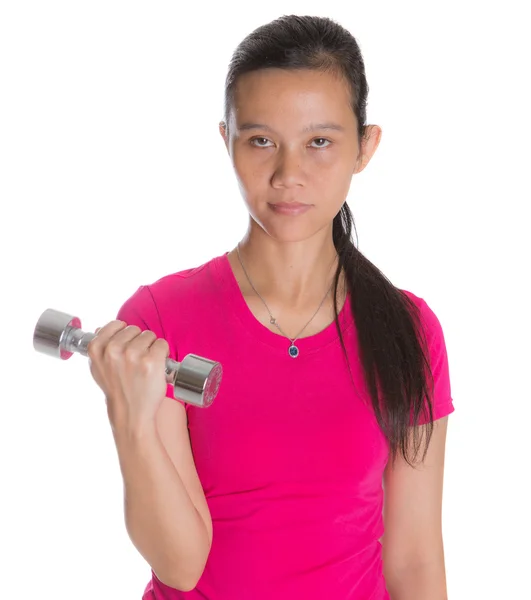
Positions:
(131, 353)
(113, 351)
(93, 348)
(145, 365)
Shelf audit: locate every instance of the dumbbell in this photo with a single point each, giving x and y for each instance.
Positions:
(195, 380)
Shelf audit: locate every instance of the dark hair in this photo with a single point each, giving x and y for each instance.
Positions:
(392, 346)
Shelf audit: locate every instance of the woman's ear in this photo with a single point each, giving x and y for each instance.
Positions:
(369, 142)
(224, 133)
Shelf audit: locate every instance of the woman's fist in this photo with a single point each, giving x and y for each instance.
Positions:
(129, 366)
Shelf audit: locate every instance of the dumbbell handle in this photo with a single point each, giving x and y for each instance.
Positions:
(195, 380)
(77, 340)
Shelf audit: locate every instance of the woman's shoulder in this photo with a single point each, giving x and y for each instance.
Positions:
(430, 320)
(187, 282)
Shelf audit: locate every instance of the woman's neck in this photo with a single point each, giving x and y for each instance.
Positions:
(297, 275)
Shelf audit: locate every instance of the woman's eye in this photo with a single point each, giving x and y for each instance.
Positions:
(258, 138)
(266, 140)
(322, 139)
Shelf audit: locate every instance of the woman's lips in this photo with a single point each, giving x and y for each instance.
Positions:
(290, 208)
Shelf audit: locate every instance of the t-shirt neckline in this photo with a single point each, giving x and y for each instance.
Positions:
(235, 299)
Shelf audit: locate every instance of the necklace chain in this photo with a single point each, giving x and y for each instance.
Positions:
(293, 350)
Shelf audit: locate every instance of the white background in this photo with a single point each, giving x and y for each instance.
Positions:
(113, 174)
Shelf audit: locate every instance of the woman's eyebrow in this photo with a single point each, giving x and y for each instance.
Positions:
(311, 127)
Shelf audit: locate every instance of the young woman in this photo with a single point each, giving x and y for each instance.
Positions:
(332, 413)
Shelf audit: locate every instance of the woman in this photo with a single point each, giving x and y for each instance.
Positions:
(332, 413)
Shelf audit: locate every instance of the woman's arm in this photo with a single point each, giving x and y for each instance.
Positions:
(161, 518)
(413, 552)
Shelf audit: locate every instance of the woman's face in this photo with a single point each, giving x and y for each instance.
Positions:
(293, 138)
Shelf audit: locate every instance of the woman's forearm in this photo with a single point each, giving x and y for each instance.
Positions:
(418, 582)
(161, 519)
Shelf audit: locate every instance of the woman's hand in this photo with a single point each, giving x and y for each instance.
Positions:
(129, 366)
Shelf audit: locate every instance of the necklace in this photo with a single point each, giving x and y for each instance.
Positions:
(292, 350)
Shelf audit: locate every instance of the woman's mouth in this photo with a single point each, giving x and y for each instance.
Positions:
(290, 208)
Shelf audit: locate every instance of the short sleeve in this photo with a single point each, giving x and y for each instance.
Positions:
(141, 310)
(442, 401)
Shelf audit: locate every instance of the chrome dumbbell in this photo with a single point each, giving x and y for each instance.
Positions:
(195, 380)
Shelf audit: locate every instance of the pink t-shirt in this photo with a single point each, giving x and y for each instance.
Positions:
(289, 454)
